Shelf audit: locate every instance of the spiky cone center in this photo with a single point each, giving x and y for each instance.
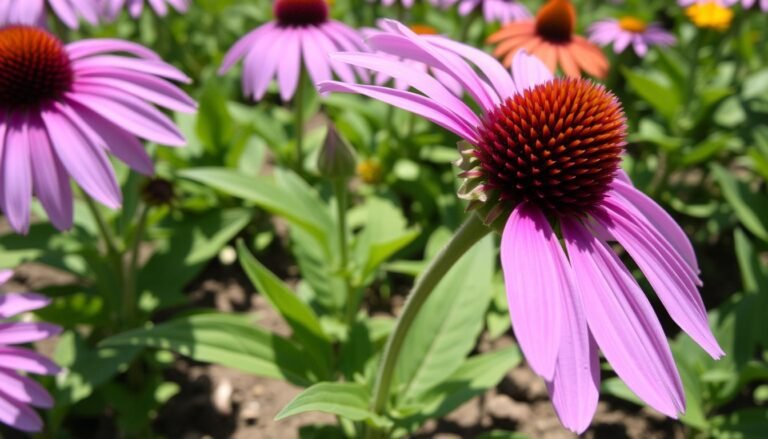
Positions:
(34, 67)
(301, 12)
(633, 24)
(557, 146)
(556, 21)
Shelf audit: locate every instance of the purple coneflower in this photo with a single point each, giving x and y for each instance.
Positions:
(63, 108)
(136, 7)
(501, 11)
(626, 31)
(420, 29)
(543, 156)
(32, 12)
(302, 35)
(18, 393)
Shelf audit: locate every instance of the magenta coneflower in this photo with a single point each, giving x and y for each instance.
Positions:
(63, 108)
(501, 11)
(626, 31)
(136, 7)
(18, 393)
(543, 156)
(33, 11)
(301, 36)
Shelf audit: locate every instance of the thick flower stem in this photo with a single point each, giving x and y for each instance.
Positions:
(472, 231)
(130, 294)
(340, 190)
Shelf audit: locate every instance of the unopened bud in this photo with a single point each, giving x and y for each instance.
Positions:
(158, 192)
(337, 159)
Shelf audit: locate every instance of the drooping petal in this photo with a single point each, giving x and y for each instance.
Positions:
(19, 415)
(22, 332)
(671, 277)
(408, 101)
(14, 358)
(536, 276)
(17, 174)
(623, 323)
(12, 304)
(575, 388)
(24, 390)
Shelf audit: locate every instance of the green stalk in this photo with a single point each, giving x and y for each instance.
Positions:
(130, 296)
(340, 191)
(472, 231)
(693, 67)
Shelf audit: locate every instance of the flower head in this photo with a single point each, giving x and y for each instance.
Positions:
(746, 4)
(18, 393)
(501, 11)
(541, 158)
(628, 31)
(710, 15)
(62, 108)
(32, 12)
(551, 37)
(112, 8)
(301, 36)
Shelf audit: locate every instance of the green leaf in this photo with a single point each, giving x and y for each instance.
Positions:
(473, 378)
(447, 327)
(195, 240)
(85, 367)
(214, 124)
(754, 274)
(499, 434)
(225, 339)
(299, 316)
(348, 400)
(744, 424)
(664, 98)
(750, 207)
(293, 200)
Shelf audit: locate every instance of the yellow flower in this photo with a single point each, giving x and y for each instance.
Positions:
(369, 171)
(710, 15)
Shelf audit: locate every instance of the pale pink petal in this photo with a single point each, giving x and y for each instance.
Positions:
(536, 276)
(24, 390)
(12, 304)
(19, 416)
(17, 174)
(622, 321)
(50, 179)
(14, 358)
(21, 332)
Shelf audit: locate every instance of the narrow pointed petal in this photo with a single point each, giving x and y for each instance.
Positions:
(623, 323)
(24, 390)
(671, 277)
(22, 332)
(12, 304)
(536, 276)
(575, 389)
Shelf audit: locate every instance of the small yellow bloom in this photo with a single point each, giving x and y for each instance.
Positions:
(710, 15)
(369, 170)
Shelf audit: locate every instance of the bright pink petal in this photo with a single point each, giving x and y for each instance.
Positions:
(24, 390)
(536, 276)
(670, 276)
(17, 174)
(51, 180)
(14, 358)
(622, 321)
(21, 332)
(12, 304)
(19, 416)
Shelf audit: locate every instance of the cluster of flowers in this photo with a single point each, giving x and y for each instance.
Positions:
(541, 159)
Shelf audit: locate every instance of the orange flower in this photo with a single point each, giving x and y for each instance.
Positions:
(551, 38)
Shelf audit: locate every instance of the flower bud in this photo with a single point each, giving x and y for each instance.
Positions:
(337, 159)
(158, 192)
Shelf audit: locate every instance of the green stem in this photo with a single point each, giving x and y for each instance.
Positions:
(692, 69)
(468, 21)
(106, 235)
(130, 296)
(472, 231)
(340, 190)
(299, 121)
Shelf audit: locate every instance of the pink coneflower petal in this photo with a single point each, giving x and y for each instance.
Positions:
(87, 164)
(659, 218)
(85, 48)
(20, 332)
(289, 69)
(575, 388)
(17, 174)
(315, 58)
(408, 101)
(623, 322)
(537, 276)
(5, 276)
(24, 390)
(670, 276)
(17, 303)
(27, 361)
(49, 176)
(19, 416)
